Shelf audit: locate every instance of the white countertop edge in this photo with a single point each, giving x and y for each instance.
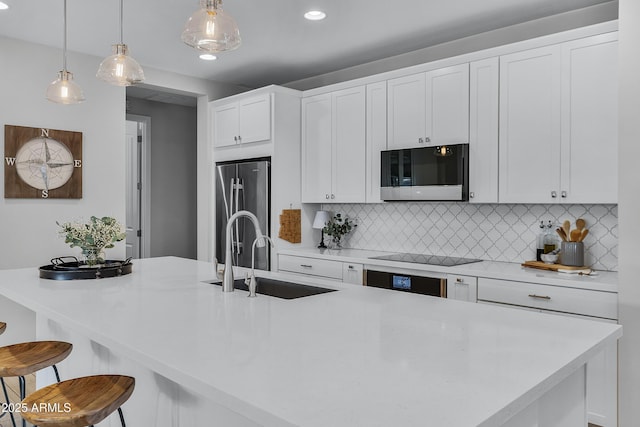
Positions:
(534, 393)
(604, 281)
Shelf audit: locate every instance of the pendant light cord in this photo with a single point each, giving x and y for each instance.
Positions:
(121, 15)
(64, 40)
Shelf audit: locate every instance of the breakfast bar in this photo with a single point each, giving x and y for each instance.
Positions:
(358, 356)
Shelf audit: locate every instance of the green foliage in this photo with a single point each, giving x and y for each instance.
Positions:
(338, 227)
(97, 233)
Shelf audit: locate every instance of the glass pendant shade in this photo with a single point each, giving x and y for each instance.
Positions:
(64, 90)
(120, 69)
(210, 29)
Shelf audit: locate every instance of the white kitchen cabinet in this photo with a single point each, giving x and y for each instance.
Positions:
(590, 120)
(242, 121)
(352, 273)
(594, 305)
(483, 130)
(334, 147)
(347, 272)
(558, 123)
(463, 288)
(530, 126)
(428, 109)
(376, 138)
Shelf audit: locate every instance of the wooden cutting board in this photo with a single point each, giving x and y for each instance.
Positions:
(552, 267)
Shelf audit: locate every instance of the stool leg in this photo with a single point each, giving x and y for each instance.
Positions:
(55, 369)
(6, 396)
(23, 394)
(121, 417)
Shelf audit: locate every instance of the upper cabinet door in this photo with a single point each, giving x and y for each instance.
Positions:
(255, 119)
(590, 120)
(406, 111)
(349, 145)
(447, 106)
(316, 149)
(530, 98)
(376, 137)
(225, 125)
(483, 131)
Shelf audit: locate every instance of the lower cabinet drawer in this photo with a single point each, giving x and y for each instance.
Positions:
(310, 266)
(546, 297)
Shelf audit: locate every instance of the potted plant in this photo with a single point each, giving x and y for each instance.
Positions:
(92, 237)
(338, 227)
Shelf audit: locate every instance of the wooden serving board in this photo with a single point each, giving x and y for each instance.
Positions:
(553, 267)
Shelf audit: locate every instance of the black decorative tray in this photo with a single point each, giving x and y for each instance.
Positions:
(63, 268)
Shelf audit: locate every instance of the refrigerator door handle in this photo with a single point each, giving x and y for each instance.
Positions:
(236, 197)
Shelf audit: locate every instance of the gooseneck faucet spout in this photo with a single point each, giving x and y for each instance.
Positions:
(227, 279)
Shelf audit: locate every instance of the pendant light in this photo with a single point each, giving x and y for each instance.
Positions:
(120, 69)
(211, 29)
(64, 90)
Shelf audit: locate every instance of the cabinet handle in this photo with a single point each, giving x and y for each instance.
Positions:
(306, 266)
(427, 139)
(472, 195)
(333, 196)
(420, 140)
(326, 196)
(554, 194)
(459, 280)
(350, 267)
(540, 296)
(239, 138)
(235, 138)
(563, 194)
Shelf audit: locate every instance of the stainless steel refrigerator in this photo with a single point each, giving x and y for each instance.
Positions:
(243, 185)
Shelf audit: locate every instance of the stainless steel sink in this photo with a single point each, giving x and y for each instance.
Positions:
(279, 288)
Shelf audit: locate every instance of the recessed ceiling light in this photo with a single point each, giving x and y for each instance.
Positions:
(3, 6)
(208, 57)
(315, 15)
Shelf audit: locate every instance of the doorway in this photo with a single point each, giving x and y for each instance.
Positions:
(138, 182)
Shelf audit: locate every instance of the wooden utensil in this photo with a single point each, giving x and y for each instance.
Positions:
(575, 235)
(566, 226)
(583, 234)
(580, 223)
(561, 233)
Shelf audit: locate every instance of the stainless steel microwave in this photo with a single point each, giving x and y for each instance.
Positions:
(425, 173)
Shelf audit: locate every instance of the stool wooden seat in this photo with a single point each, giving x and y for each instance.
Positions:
(19, 360)
(22, 359)
(3, 326)
(78, 402)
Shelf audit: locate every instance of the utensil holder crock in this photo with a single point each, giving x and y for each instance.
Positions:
(572, 253)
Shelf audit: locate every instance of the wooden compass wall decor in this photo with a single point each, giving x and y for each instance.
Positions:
(42, 163)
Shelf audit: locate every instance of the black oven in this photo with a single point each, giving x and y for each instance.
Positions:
(407, 283)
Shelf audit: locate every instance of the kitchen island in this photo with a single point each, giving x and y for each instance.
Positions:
(355, 357)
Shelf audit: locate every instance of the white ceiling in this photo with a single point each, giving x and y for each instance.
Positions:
(279, 45)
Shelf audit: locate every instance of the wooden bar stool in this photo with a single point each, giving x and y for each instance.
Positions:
(19, 360)
(79, 402)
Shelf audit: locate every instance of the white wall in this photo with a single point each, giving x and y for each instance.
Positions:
(28, 230)
(629, 213)
(28, 233)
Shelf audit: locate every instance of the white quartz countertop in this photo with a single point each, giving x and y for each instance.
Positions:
(605, 281)
(356, 357)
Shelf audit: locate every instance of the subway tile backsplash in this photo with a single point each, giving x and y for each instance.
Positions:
(496, 232)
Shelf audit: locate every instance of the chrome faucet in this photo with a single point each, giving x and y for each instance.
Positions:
(251, 281)
(227, 279)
